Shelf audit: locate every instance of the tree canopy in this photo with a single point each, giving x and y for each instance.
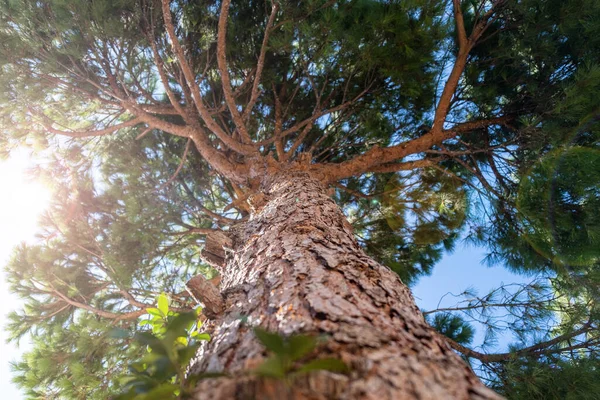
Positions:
(430, 120)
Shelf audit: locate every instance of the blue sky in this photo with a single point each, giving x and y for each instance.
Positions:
(457, 272)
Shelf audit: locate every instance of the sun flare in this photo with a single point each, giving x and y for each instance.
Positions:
(21, 202)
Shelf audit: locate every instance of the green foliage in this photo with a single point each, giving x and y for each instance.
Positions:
(454, 327)
(548, 67)
(173, 341)
(559, 199)
(74, 362)
(103, 243)
(552, 379)
(285, 361)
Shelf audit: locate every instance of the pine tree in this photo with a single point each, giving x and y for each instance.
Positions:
(292, 148)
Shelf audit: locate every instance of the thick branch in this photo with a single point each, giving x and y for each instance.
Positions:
(404, 166)
(213, 156)
(174, 129)
(379, 156)
(229, 141)
(226, 81)
(464, 47)
(437, 134)
(460, 25)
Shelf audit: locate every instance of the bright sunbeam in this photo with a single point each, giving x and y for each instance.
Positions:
(21, 203)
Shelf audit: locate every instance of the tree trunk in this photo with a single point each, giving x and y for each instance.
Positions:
(297, 268)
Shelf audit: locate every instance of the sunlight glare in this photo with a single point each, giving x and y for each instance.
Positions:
(21, 202)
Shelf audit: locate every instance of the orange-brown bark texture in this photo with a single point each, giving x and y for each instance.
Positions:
(295, 267)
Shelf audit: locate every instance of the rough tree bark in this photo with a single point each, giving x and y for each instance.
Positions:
(294, 267)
